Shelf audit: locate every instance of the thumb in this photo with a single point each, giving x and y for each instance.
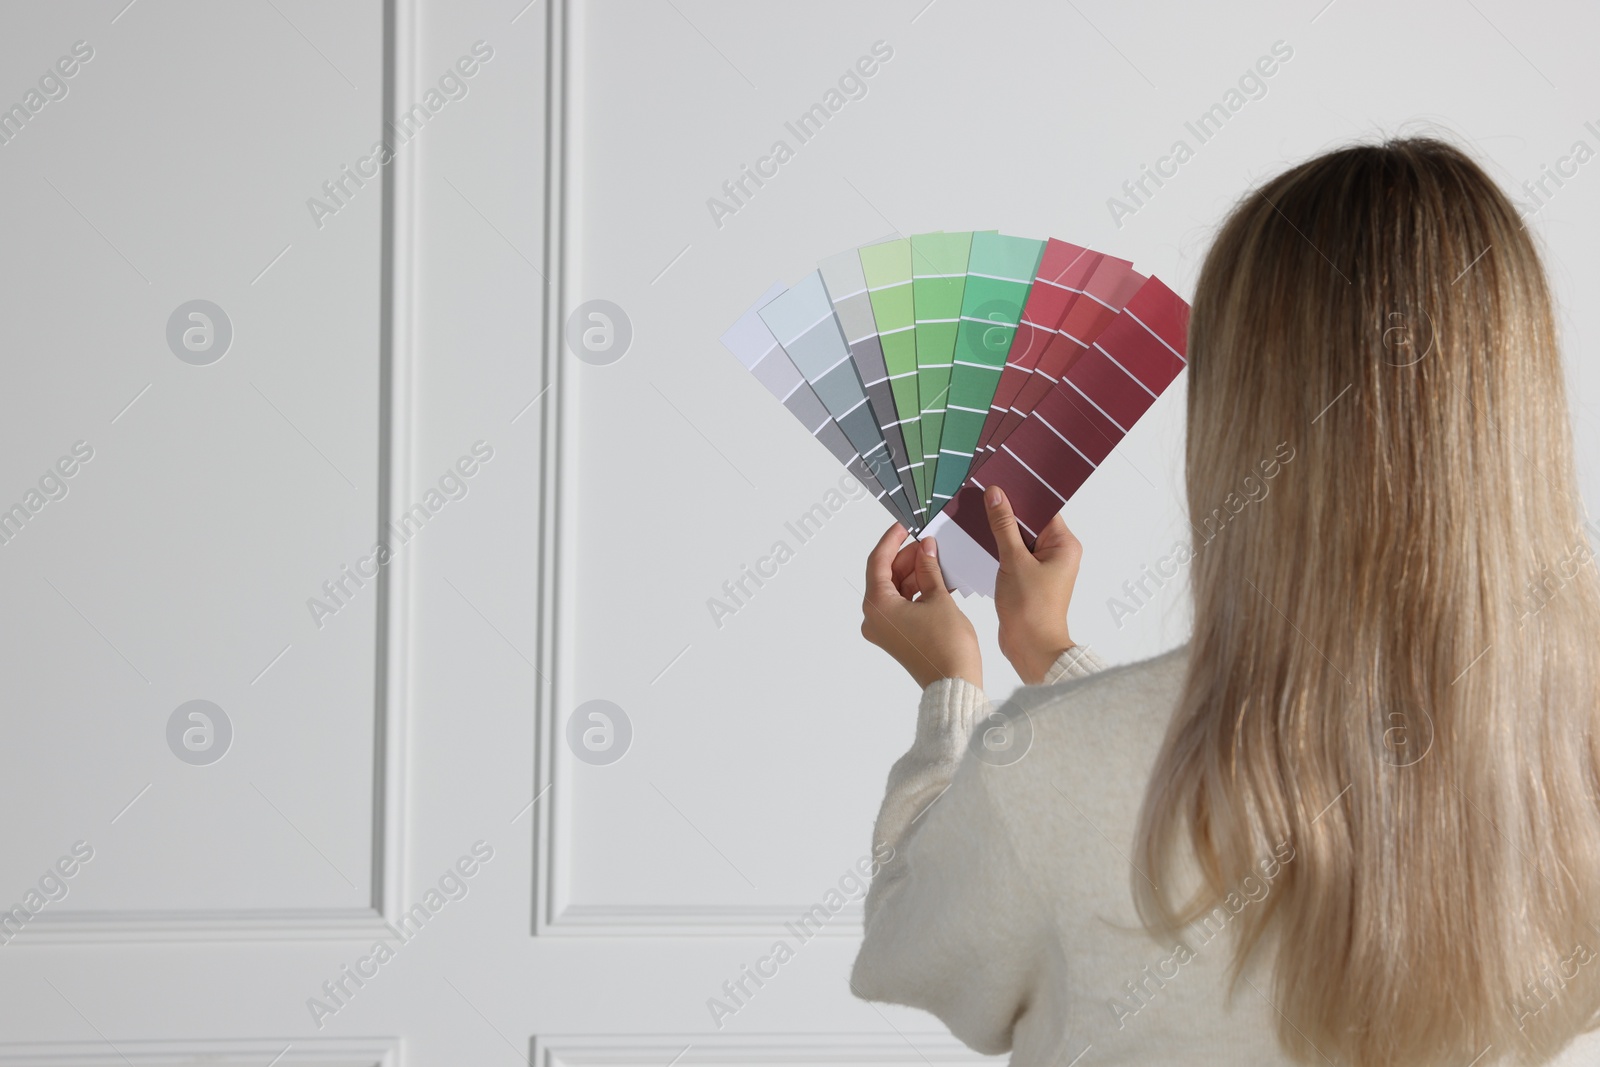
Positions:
(1003, 524)
(930, 578)
(1057, 542)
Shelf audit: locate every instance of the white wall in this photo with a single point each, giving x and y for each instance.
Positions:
(181, 559)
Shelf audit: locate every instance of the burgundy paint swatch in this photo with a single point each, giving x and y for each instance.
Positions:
(1075, 425)
(1050, 384)
(1107, 288)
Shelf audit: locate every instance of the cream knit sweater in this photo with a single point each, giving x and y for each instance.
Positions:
(1006, 908)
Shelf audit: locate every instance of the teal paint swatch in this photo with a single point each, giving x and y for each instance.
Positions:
(1000, 271)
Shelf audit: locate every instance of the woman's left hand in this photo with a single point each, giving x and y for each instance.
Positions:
(927, 634)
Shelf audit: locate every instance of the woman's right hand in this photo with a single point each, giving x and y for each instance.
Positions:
(1033, 589)
(908, 612)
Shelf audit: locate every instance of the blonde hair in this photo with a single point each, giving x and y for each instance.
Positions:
(1395, 665)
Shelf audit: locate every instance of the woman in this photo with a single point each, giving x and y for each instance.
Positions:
(1355, 819)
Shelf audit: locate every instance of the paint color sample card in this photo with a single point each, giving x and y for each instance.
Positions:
(937, 365)
(1105, 291)
(1000, 273)
(1074, 428)
(1063, 270)
(802, 320)
(754, 346)
(887, 269)
(847, 289)
(939, 273)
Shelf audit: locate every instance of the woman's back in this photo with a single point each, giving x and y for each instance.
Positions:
(1376, 770)
(1009, 911)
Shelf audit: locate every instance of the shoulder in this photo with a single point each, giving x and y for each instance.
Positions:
(1127, 696)
(1100, 732)
(1066, 790)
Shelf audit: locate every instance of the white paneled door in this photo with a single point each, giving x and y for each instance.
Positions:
(381, 680)
(356, 680)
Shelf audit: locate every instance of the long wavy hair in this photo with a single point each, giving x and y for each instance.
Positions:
(1395, 666)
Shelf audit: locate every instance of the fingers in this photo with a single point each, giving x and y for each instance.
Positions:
(1057, 542)
(905, 562)
(1003, 524)
(929, 577)
(880, 562)
(904, 570)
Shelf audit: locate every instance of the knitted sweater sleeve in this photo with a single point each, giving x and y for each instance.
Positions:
(951, 924)
(1079, 661)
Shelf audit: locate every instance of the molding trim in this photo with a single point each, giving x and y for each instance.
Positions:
(395, 583)
(250, 1052)
(555, 913)
(700, 920)
(557, 464)
(397, 435)
(353, 924)
(896, 1049)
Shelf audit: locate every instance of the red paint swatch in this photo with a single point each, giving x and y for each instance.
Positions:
(1074, 426)
(1092, 345)
(1064, 268)
(1110, 285)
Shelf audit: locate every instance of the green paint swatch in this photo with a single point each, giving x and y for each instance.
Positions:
(852, 306)
(939, 273)
(887, 268)
(1000, 270)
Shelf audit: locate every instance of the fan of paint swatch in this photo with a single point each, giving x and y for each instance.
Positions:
(936, 365)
